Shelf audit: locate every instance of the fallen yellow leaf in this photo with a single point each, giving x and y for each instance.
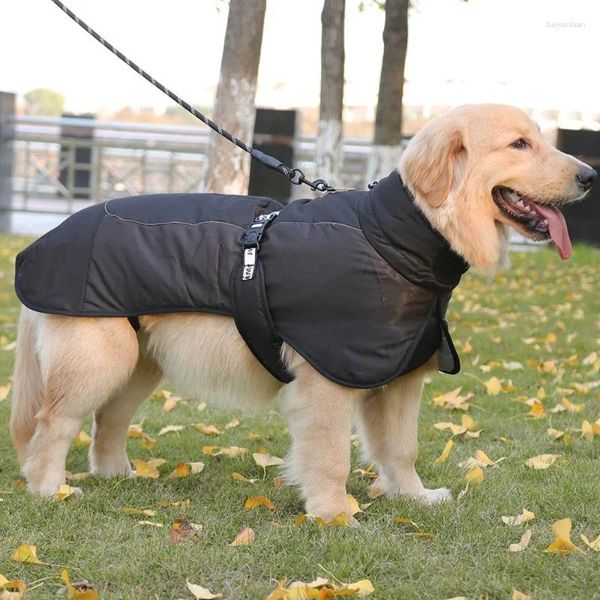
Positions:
(555, 434)
(171, 429)
(594, 545)
(201, 593)
(183, 529)
(181, 470)
(207, 429)
(266, 460)
(522, 544)
(4, 391)
(66, 491)
(493, 386)
(138, 511)
(562, 543)
(244, 538)
(233, 423)
(239, 477)
(524, 517)
(255, 501)
(475, 475)
(453, 400)
(13, 590)
(542, 461)
(27, 554)
(538, 411)
(517, 595)
(82, 439)
(587, 430)
(78, 591)
(571, 407)
(147, 468)
(353, 504)
(443, 457)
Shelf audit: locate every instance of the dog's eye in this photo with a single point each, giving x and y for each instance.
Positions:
(520, 144)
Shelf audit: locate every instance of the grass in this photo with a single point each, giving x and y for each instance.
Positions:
(468, 554)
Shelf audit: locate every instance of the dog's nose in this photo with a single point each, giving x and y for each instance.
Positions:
(586, 177)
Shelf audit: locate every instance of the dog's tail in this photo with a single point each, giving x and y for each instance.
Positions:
(27, 385)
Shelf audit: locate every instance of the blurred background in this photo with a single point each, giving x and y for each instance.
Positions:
(338, 87)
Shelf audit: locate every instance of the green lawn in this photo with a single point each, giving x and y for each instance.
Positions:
(557, 304)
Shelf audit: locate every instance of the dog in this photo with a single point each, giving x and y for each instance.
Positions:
(474, 173)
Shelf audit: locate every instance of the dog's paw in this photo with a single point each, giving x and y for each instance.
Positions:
(431, 497)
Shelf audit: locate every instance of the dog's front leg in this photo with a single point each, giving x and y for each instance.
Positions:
(389, 430)
(319, 413)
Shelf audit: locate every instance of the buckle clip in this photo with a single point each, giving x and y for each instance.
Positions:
(251, 242)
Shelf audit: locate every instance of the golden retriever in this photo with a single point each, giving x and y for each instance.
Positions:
(474, 172)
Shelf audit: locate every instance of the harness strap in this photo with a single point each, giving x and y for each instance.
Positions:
(250, 305)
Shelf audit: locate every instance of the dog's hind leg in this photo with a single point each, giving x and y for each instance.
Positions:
(319, 414)
(27, 382)
(388, 423)
(108, 453)
(83, 362)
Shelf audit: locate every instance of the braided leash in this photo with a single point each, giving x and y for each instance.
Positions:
(296, 176)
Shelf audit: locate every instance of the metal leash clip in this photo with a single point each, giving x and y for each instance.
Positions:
(251, 242)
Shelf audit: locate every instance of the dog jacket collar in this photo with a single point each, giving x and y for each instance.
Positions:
(356, 282)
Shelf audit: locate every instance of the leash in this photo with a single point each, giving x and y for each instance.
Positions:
(296, 176)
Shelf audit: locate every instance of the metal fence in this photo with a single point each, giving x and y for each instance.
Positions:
(121, 159)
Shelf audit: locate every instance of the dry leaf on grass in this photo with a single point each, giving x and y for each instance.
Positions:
(244, 537)
(562, 543)
(4, 391)
(201, 593)
(453, 400)
(542, 461)
(474, 475)
(537, 411)
(517, 595)
(171, 429)
(522, 544)
(266, 460)
(340, 520)
(11, 589)
(180, 470)
(207, 429)
(239, 477)
(353, 504)
(320, 588)
(254, 501)
(555, 434)
(138, 511)
(233, 423)
(183, 529)
(524, 517)
(150, 523)
(148, 468)
(229, 451)
(493, 386)
(27, 554)
(82, 439)
(66, 491)
(594, 544)
(79, 590)
(443, 457)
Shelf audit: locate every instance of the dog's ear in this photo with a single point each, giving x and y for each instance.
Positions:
(429, 164)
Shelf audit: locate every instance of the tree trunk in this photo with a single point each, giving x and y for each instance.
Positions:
(228, 167)
(329, 136)
(387, 148)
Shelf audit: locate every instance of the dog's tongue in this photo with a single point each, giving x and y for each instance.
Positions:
(558, 229)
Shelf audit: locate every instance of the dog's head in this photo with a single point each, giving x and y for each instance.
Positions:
(480, 168)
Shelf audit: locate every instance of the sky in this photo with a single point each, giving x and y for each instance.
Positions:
(532, 53)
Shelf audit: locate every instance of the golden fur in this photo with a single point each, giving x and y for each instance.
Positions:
(67, 367)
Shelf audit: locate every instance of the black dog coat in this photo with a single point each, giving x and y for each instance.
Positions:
(356, 282)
